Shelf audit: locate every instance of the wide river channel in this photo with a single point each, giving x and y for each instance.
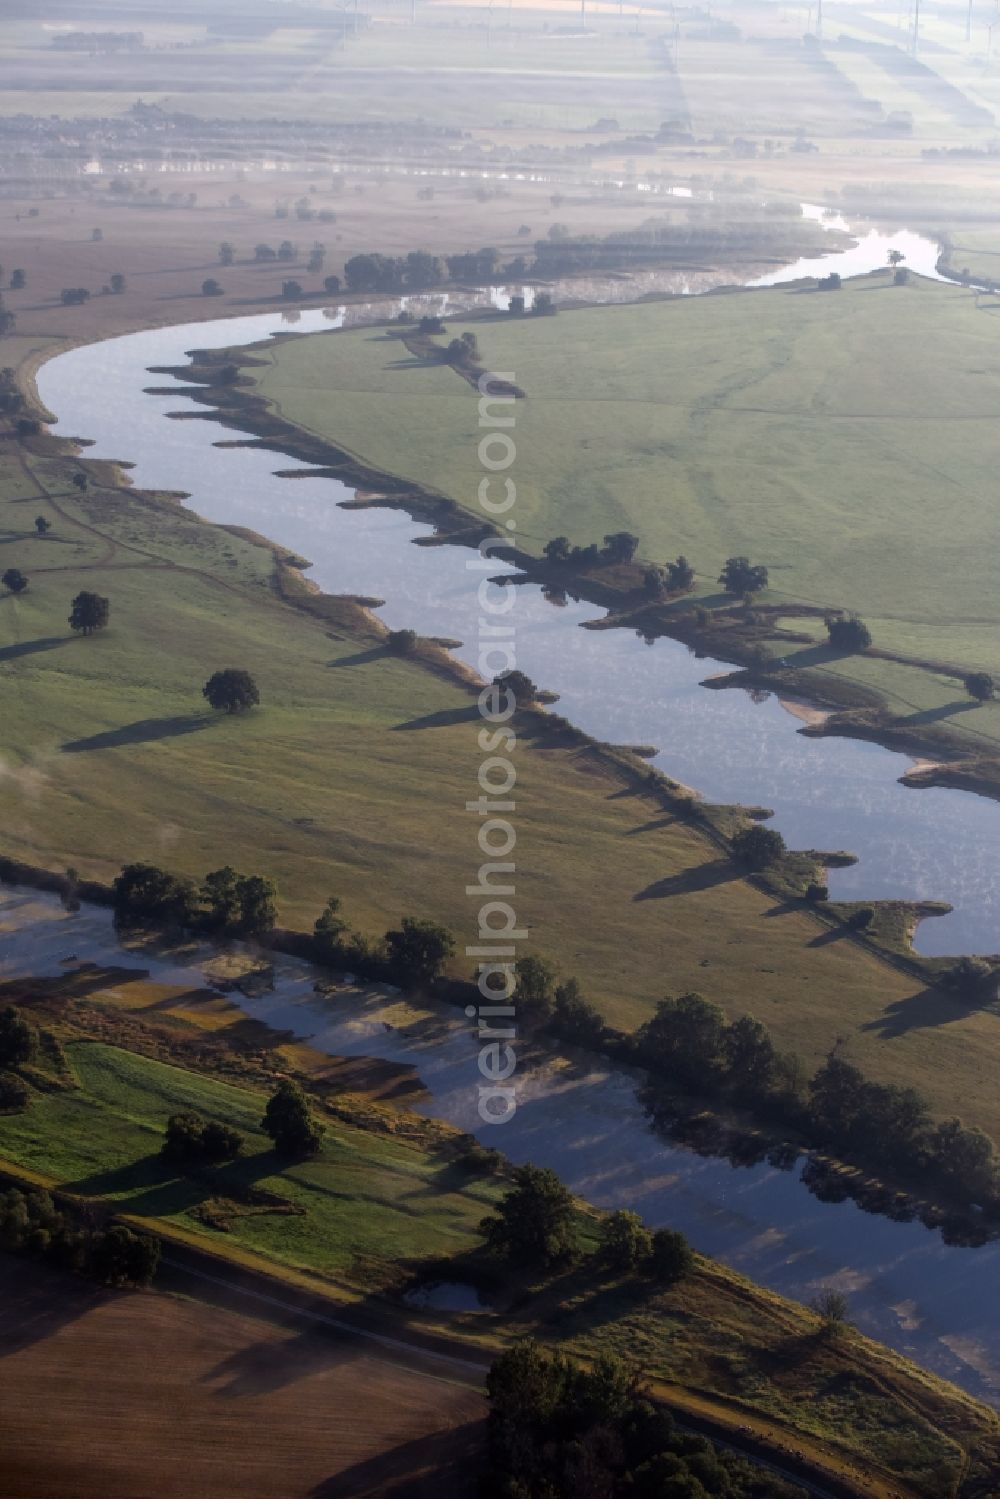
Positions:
(907, 1288)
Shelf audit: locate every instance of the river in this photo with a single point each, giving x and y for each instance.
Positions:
(935, 1303)
(935, 844)
(929, 1300)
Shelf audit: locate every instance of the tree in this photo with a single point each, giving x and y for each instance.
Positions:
(895, 257)
(211, 288)
(533, 979)
(288, 1121)
(144, 892)
(81, 481)
(758, 847)
(329, 931)
(122, 1258)
(401, 642)
(557, 551)
(291, 291)
(848, 632)
(231, 690)
(831, 1308)
(519, 684)
(620, 546)
(15, 1095)
(684, 1039)
(18, 1038)
(246, 904)
(526, 1385)
(89, 612)
(533, 1224)
(263, 254)
(418, 951)
(969, 977)
(18, 280)
(740, 577)
(227, 253)
(543, 305)
(980, 685)
(516, 306)
(42, 525)
(625, 1240)
(287, 251)
(191, 1140)
(829, 283)
(680, 575)
(117, 283)
(14, 580)
(672, 1256)
(331, 285)
(574, 1019)
(750, 1057)
(74, 296)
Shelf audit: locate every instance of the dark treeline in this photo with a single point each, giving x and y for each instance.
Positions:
(32, 1224)
(557, 1431)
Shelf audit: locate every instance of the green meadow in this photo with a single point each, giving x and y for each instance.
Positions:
(810, 431)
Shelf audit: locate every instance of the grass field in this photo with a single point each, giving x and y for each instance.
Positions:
(360, 1213)
(806, 430)
(109, 757)
(370, 1208)
(267, 1412)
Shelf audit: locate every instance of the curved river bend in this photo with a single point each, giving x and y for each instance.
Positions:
(934, 1302)
(935, 844)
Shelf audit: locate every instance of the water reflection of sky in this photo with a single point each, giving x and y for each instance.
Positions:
(906, 1287)
(827, 793)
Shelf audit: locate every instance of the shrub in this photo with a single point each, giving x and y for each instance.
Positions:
(625, 1240)
(968, 977)
(191, 1140)
(815, 892)
(980, 685)
(862, 918)
(402, 642)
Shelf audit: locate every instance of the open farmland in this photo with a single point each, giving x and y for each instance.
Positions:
(95, 1387)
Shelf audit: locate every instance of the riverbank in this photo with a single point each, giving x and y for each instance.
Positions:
(763, 1365)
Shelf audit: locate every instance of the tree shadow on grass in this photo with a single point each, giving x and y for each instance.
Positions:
(925, 1010)
(30, 647)
(834, 934)
(445, 1462)
(689, 881)
(140, 732)
(160, 1190)
(441, 720)
(361, 658)
(946, 710)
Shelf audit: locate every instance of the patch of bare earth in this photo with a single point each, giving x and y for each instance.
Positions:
(118, 1395)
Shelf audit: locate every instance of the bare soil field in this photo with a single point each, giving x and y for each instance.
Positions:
(130, 1395)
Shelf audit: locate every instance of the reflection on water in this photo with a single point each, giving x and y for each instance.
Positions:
(828, 794)
(906, 1287)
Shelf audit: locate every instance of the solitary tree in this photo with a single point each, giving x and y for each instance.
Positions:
(848, 632)
(895, 257)
(741, 577)
(117, 283)
(534, 1223)
(80, 480)
(516, 306)
(18, 280)
(980, 685)
(831, 1308)
(543, 305)
(211, 288)
(757, 846)
(331, 285)
(231, 690)
(42, 525)
(89, 613)
(14, 580)
(226, 253)
(288, 1121)
(557, 551)
(291, 291)
(518, 683)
